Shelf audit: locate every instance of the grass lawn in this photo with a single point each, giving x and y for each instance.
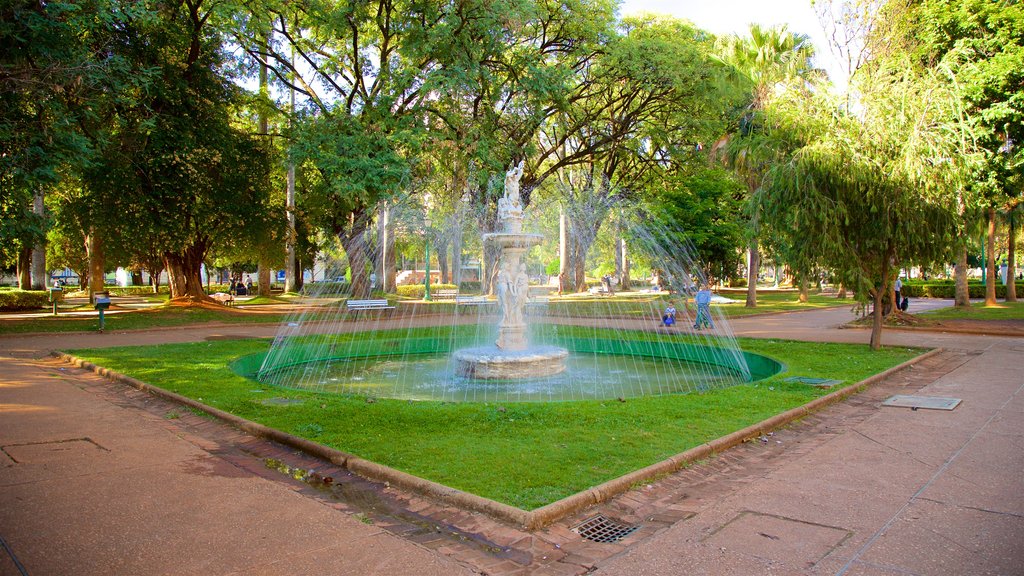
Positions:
(772, 301)
(1001, 311)
(262, 300)
(525, 454)
(641, 305)
(134, 320)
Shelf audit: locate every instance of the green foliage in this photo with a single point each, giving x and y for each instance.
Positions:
(704, 211)
(1002, 311)
(137, 320)
(417, 291)
(947, 289)
(19, 300)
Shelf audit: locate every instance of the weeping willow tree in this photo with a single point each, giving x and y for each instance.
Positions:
(870, 190)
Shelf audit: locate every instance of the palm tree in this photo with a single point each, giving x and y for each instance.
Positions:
(756, 65)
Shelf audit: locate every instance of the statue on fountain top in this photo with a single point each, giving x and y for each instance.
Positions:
(510, 207)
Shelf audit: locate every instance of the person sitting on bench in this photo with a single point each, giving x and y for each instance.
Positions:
(669, 318)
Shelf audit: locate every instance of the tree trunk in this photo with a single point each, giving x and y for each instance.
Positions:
(1011, 266)
(390, 266)
(441, 245)
(752, 271)
(876, 319)
(579, 264)
(354, 241)
(617, 250)
(25, 268)
(183, 273)
(962, 295)
(563, 252)
(457, 254)
(990, 283)
(94, 248)
(841, 294)
(804, 288)
(39, 277)
(624, 280)
(263, 278)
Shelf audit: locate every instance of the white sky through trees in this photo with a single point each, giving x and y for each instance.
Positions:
(725, 17)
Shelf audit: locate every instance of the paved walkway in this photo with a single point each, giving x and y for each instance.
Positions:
(100, 479)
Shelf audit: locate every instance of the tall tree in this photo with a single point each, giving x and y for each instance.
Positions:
(875, 189)
(173, 165)
(757, 64)
(49, 82)
(982, 44)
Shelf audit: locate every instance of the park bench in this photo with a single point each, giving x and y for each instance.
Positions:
(356, 305)
(471, 300)
(223, 297)
(445, 294)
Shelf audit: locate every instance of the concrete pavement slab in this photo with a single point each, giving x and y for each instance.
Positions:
(169, 498)
(939, 539)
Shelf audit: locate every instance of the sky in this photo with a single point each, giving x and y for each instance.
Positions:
(724, 17)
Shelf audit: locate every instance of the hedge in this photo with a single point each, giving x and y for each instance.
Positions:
(947, 289)
(14, 300)
(417, 290)
(134, 290)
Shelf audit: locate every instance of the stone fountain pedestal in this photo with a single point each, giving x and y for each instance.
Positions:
(512, 356)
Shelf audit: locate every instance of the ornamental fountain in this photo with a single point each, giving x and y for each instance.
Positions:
(511, 356)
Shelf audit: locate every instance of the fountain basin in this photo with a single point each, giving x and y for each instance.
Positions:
(513, 239)
(493, 363)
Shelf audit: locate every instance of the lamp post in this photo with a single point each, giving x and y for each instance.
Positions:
(426, 278)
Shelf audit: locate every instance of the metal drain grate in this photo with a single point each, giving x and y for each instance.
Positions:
(601, 529)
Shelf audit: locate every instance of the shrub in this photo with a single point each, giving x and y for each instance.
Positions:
(417, 290)
(14, 300)
(137, 290)
(471, 286)
(947, 289)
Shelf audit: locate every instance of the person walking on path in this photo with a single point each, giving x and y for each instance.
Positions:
(703, 301)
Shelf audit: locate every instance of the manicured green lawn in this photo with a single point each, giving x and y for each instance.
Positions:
(628, 306)
(525, 454)
(134, 320)
(772, 301)
(1002, 311)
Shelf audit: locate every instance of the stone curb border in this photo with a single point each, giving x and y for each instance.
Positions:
(530, 520)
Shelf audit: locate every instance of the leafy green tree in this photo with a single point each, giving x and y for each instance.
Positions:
(704, 210)
(757, 65)
(172, 166)
(645, 103)
(867, 191)
(982, 44)
(49, 82)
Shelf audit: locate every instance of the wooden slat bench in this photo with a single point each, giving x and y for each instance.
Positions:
(356, 305)
(446, 294)
(471, 300)
(223, 298)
